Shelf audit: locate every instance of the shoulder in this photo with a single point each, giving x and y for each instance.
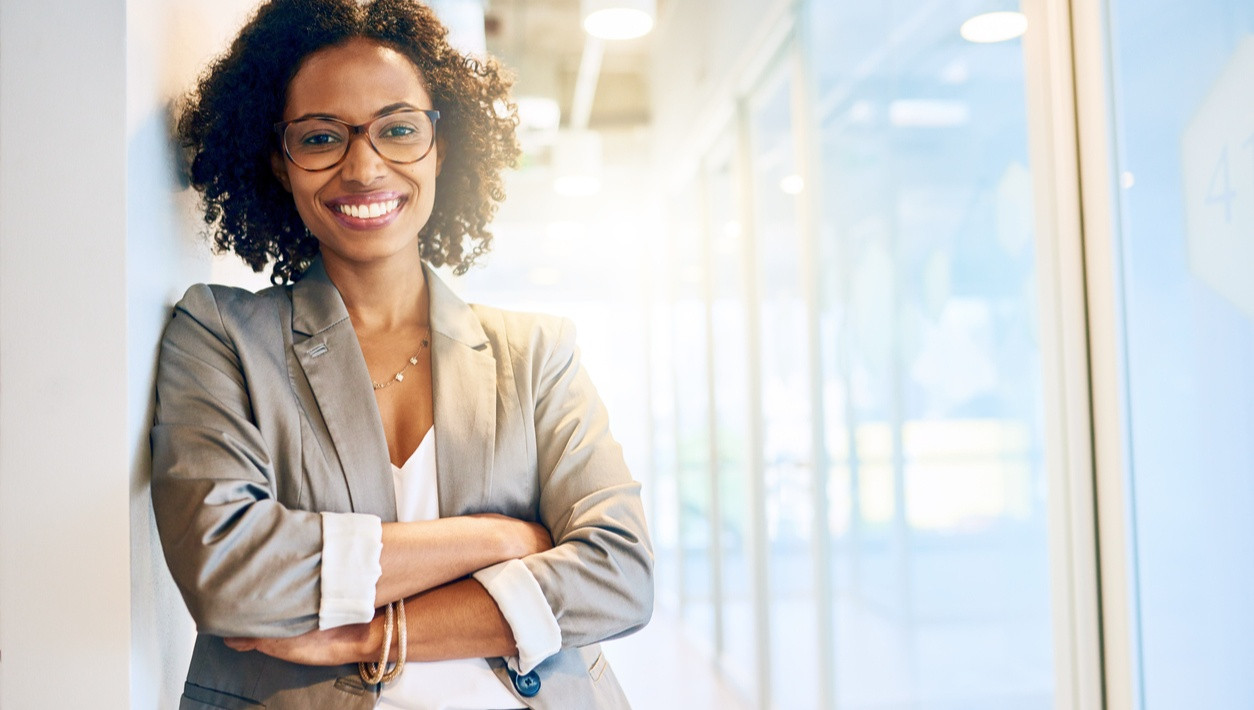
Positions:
(531, 337)
(203, 299)
(537, 329)
(225, 310)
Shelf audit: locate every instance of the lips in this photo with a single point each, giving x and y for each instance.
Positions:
(368, 211)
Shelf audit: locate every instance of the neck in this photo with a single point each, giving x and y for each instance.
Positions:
(382, 296)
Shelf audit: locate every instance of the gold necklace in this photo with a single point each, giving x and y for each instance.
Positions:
(413, 360)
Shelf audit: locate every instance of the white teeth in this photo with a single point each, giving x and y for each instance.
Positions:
(369, 211)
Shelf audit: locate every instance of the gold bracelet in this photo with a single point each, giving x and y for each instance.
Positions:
(402, 641)
(371, 673)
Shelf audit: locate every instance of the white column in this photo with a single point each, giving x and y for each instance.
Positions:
(168, 44)
(64, 455)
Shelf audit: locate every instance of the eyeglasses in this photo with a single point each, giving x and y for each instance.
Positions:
(321, 143)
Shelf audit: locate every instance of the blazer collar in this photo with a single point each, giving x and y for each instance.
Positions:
(463, 377)
(316, 302)
(450, 315)
(317, 305)
(463, 382)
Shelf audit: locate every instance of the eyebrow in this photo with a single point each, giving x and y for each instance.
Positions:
(390, 108)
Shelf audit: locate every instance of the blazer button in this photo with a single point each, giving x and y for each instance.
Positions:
(526, 685)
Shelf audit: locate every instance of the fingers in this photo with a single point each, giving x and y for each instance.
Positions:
(540, 538)
(241, 644)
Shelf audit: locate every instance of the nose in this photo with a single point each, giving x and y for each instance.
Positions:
(362, 163)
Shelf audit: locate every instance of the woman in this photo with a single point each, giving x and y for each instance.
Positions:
(355, 453)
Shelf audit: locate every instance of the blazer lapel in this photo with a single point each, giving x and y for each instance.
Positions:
(331, 358)
(463, 376)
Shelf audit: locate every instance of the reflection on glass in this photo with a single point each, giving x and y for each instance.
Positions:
(729, 313)
(931, 372)
(786, 441)
(1185, 137)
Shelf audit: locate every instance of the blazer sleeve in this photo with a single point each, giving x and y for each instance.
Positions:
(598, 577)
(246, 565)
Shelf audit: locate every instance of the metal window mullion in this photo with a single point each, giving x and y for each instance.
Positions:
(1051, 75)
(715, 518)
(677, 428)
(753, 339)
(806, 147)
(1099, 208)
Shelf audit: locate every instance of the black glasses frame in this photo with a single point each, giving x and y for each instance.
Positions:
(280, 130)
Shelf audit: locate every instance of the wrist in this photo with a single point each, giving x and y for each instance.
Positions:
(508, 544)
(370, 646)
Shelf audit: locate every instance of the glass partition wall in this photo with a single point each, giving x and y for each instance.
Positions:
(932, 361)
(728, 327)
(871, 531)
(931, 365)
(1183, 170)
(690, 371)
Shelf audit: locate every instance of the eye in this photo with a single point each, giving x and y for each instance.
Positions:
(398, 130)
(315, 136)
(319, 139)
(403, 128)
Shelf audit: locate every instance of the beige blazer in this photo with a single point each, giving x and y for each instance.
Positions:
(265, 417)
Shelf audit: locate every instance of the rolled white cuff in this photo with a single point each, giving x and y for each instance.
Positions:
(351, 546)
(519, 597)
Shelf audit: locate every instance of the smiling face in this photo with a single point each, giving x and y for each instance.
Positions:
(366, 208)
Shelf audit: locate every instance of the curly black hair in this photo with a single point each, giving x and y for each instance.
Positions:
(226, 130)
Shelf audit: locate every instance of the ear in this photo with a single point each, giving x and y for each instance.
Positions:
(278, 166)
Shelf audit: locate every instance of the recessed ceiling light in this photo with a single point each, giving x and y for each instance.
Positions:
(792, 184)
(618, 19)
(994, 27)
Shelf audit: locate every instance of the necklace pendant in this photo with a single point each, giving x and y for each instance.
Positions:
(400, 377)
(413, 360)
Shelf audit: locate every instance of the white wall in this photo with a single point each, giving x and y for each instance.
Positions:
(64, 454)
(168, 43)
(97, 240)
(701, 49)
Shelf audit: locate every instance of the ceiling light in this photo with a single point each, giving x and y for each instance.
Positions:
(994, 27)
(618, 19)
(792, 184)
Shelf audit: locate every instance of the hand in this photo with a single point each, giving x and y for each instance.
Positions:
(332, 647)
(532, 538)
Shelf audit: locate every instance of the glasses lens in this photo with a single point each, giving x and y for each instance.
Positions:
(404, 137)
(315, 144)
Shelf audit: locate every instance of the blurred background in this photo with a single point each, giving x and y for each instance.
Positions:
(927, 325)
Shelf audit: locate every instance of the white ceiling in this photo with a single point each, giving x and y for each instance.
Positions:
(543, 41)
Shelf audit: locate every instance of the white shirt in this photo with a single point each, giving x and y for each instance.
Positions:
(351, 547)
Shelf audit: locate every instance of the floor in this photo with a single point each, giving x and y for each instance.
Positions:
(660, 669)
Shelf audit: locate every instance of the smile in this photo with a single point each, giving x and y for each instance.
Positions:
(369, 210)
